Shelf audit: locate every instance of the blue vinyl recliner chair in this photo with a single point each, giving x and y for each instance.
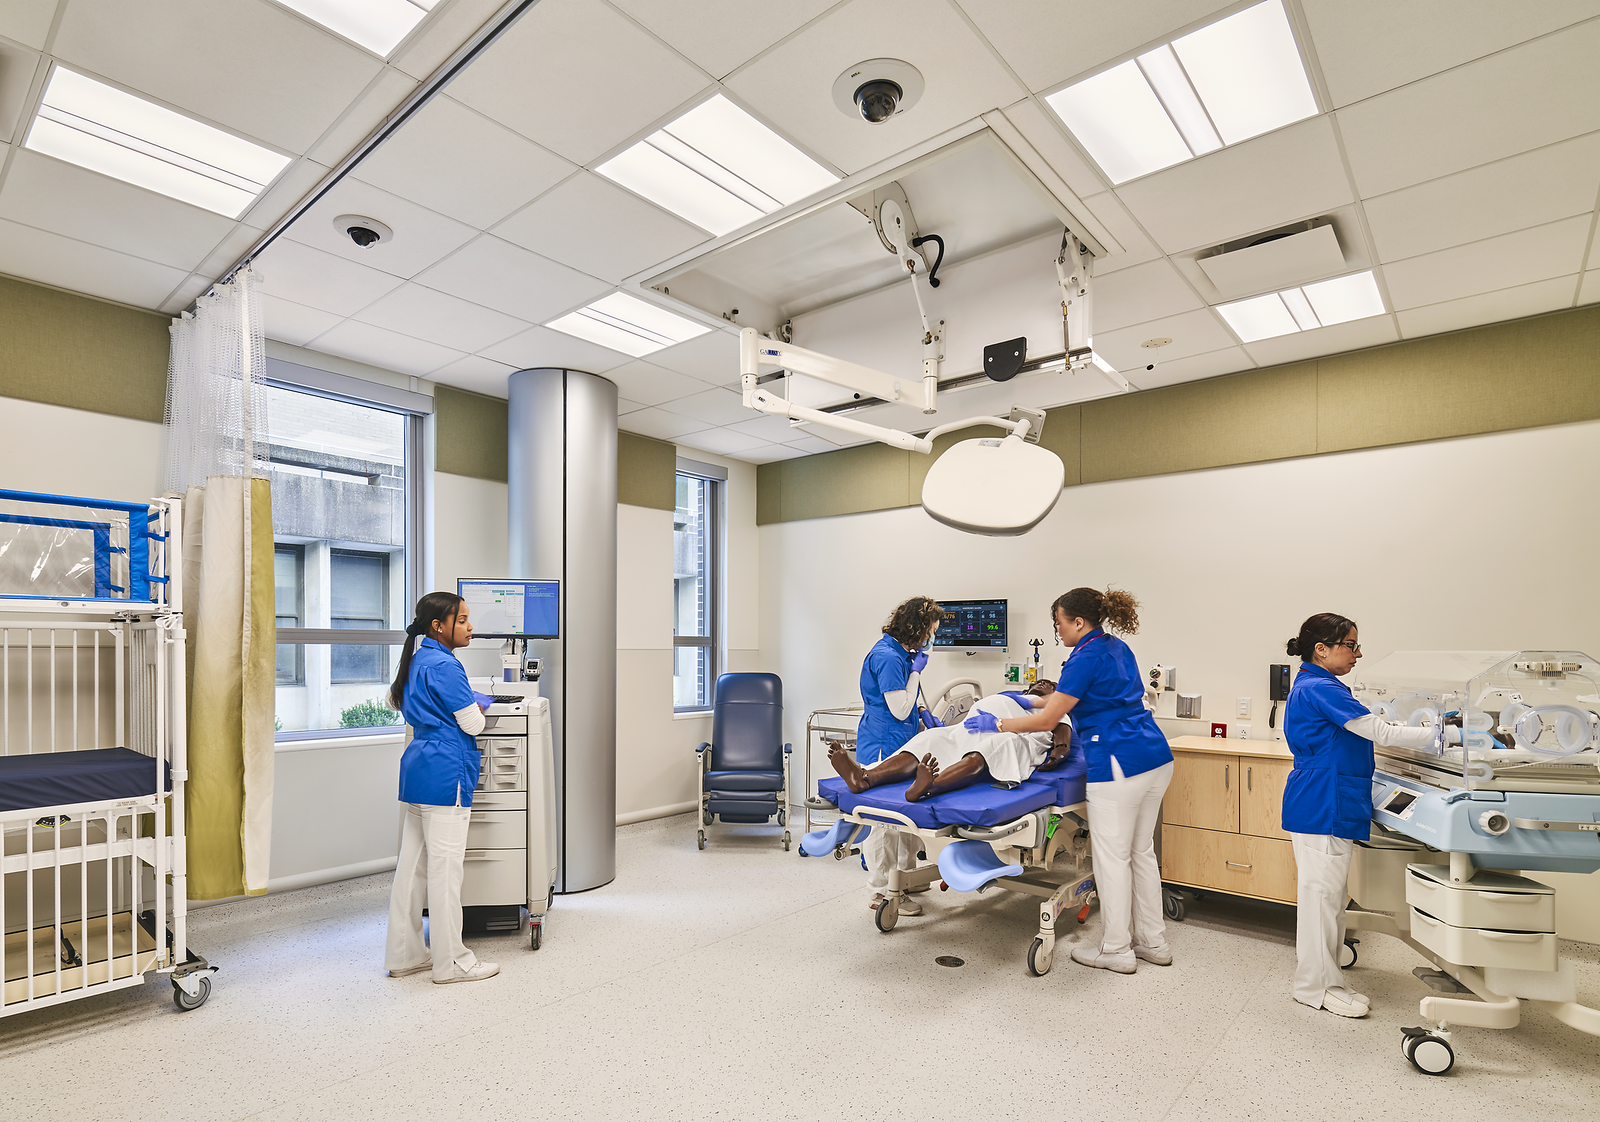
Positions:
(744, 768)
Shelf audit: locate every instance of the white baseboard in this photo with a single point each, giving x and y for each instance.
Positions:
(328, 876)
(657, 812)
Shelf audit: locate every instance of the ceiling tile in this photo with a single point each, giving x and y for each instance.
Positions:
(289, 322)
(1192, 369)
(810, 444)
(1510, 260)
(792, 85)
(651, 385)
(1510, 194)
(1136, 245)
(724, 442)
(232, 247)
(387, 350)
(440, 318)
(539, 347)
(1515, 101)
(1270, 181)
(600, 228)
(1590, 292)
(320, 280)
(79, 267)
(1140, 293)
(718, 35)
(421, 236)
(293, 184)
(712, 357)
(774, 429)
(1489, 307)
(77, 203)
(714, 406)
(1044, 131)
(1341, 337)
(476, 373)
(582, 95)
(1366, 47)
(1034, 35)
(185, 294)
(447, 27)
(27, 21)
(1192, 333)
(252, 67)
(771, 453)
(458, 162)
(370, 109)
(499, 275)
(660, 424)
(625, 406)
(17, 69)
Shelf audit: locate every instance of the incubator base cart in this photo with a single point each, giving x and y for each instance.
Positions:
(1458, 832)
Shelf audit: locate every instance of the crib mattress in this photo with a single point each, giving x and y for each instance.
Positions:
(61, 778)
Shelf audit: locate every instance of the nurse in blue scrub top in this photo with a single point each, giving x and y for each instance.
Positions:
(438, 773)
(891, 677)
(1327, 800)
(1130, 766)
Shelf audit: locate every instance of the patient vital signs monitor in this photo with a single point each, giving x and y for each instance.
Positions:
(972, 623)
(512, 609)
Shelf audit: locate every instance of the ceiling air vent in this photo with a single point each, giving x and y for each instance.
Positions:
(1306, 251)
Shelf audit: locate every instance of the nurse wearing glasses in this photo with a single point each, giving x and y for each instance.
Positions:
(1327, 801)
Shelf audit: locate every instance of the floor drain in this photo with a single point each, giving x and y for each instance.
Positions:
(950, 960)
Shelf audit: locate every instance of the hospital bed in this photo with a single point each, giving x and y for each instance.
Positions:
(92, 751)
(1032, 839)
(1457, 832)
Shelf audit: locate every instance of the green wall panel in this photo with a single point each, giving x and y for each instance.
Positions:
(469, 434)
(849, 481)
(647, 472)
(81, 353)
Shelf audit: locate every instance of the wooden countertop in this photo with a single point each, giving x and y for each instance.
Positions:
(1265, 749)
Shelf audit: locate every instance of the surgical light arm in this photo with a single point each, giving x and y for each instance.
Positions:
(1074, 269)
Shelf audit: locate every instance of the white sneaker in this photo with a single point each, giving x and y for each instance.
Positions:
(477, 974)
(1350, 995)
(1123, 963)
(1333, 1003)
(908, 906)
(1153, 955)
(406, 971)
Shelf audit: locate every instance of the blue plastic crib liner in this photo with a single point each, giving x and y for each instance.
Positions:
(138, 548)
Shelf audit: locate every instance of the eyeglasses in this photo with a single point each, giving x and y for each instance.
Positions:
(1354, 647)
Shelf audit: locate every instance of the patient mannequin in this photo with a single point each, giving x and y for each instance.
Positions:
(953, 757)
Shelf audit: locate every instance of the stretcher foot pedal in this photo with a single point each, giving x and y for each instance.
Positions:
(1438, 980)
(967, 866)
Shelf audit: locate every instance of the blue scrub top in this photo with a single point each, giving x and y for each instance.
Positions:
(1110, 718)
(879, 734)
(440, 765)
(1330, 789)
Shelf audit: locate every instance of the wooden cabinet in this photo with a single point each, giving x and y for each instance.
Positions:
(1221, 818)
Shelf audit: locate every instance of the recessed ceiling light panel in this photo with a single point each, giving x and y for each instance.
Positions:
(377, 25)
(106, 130)
(1247, 70)
(1117, 117)
(1305, 308)
(627, 324)
(1346, 298)
(1260, 317)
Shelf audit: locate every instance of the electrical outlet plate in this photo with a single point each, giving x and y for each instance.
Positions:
(1219, 730)
(1242, 708)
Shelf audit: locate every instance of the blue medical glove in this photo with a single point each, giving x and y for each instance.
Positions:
(982, 722)
(1023, 699)
(929, 721)
(482, 700)
(918, 661)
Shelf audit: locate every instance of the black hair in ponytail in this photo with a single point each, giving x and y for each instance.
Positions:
(1324, 627)
(435, 607)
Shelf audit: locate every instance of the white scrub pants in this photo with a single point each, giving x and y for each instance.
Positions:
(433, 844)
(1323, 862)
(1122, 828)
(886, 849)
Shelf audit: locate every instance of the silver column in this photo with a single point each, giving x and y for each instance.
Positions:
(563, 524)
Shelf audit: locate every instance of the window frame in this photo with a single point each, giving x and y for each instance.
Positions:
(298, 552)
(716, 550)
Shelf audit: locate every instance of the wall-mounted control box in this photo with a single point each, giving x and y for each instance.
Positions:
(1163, 678)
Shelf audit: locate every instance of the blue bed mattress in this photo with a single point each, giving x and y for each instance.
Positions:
(978, 805)
(62, 778)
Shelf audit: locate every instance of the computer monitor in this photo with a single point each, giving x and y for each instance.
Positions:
(512, 609)
(972, 623)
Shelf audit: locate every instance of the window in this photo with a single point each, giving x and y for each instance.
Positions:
(345, 505)
(696, 585)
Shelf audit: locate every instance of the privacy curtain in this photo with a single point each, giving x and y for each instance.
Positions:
(216, 451)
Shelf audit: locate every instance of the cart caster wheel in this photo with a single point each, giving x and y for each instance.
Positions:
(702, 839)
(1039, 957)
(887, 914)
(783, 816)
(185, 1003)
(838, 853)
(705, 817)
(538, 936)
(1172, 904)
(1429, 1054)
(786, 841)
(1347, 954)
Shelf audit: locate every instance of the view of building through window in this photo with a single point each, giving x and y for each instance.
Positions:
(339, 525)
(696, 610)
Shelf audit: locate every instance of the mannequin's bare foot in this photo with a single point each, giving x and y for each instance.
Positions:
(853, 774)
(927, 772)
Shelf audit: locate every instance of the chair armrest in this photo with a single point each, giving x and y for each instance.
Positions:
(702, 747)
(788, 749)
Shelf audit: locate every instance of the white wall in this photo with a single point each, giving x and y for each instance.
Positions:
(64, 451)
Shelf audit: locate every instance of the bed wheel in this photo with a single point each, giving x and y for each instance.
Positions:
(839, 852)
(705, 817)
(702, 839)
(185, 1003)
(887, 914)
(1172, 904)
(1347, 954)
(537, 938)
(1429, 1054)
(1039, 957)
(786, 841)
(783, 816)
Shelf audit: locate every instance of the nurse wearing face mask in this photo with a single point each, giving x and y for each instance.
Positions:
(1327, 801)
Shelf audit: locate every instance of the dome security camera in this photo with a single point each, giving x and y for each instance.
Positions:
(878, 100)
(878, 89)
(365, 232)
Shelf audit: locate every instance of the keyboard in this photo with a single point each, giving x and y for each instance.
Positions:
(508, 698)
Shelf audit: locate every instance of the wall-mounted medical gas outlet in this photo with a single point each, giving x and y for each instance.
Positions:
(1241, 707)
(1278, 682)
(1163, 677)
(1188, 705)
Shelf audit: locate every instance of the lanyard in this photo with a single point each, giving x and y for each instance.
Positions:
(1083, 645)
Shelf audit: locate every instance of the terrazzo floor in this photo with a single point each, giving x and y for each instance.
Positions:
(743, 982)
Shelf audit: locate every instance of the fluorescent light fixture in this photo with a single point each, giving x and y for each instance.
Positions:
(377, 25)
(1247, 70)
(718, 167)
(1305, 308)
(101, 128)
(1345, 298)
(1238, 78)
(624, 323)
(1118, 118)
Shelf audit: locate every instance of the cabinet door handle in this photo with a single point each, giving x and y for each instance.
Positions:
(1249, 776)
(1236, 865)
(1226, 783)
